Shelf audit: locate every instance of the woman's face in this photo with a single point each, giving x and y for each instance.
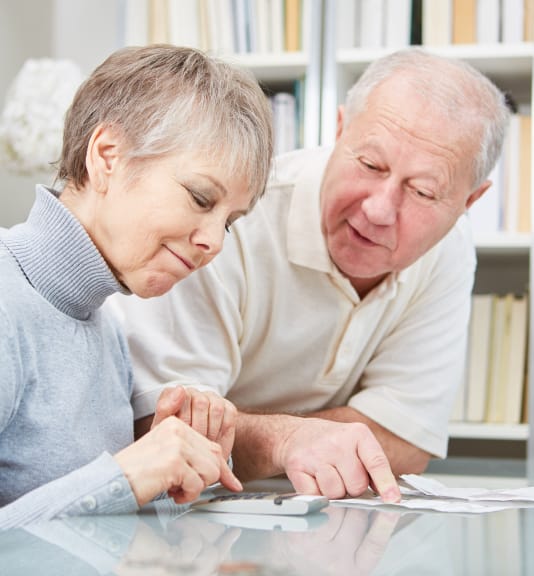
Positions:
(156, 228)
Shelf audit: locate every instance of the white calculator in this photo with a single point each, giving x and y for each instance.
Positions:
(262, 503)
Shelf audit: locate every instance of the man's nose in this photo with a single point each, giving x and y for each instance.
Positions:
(382, 205)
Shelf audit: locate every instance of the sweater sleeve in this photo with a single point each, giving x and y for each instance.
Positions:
(99, 487)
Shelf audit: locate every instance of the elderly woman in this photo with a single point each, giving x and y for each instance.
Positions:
(163, 149)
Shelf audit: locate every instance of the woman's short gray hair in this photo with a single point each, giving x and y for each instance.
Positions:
(455, 87)
(165, 98)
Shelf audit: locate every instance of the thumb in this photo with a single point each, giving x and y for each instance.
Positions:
(169, 404)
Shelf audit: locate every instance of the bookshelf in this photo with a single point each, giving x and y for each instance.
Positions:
(271, 38)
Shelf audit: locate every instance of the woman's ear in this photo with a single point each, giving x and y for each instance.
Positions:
(101, 158)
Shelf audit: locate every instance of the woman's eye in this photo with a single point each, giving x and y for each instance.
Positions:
(227, 227)
(199, 199)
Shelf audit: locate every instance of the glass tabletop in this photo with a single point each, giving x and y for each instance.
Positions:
(164, 538)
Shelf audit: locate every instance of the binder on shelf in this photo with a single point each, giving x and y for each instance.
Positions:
(499, 347)
(528, 30)
(515, 374)
(263, 27)
(240, 26)
(479, 356)
(135, 23)
(464, 21)
(277, 25)
(488, 21)
(348, 22)
(183, 23)
(292, 25)
(284, 122)
(371, 23)
(398, 20)
(525, 170)
(158, 21)
(305, 25)
(512, 21)
(220, 26)
(511, 170)
(437, 22)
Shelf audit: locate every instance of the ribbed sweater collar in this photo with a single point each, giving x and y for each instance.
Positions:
(59, 259)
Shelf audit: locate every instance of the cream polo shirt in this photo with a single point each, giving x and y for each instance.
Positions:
(272, 324)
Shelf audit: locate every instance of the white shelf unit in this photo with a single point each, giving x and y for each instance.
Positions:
(273, 68)
(470, 431)
(505, 260)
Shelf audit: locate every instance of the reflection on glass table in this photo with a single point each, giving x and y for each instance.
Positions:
(168, 539)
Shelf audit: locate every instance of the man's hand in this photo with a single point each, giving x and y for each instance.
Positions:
(174, 458)
(206, 412)
(335, 459)
(319, 456)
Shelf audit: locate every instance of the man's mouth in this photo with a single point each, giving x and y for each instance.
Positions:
(361, 237)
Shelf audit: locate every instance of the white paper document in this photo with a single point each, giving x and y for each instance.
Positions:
(420, 493)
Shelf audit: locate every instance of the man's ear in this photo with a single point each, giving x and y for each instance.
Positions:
(101, 157)
(474, 196)
(339, 121)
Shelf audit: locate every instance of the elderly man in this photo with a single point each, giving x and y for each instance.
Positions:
(337, 312)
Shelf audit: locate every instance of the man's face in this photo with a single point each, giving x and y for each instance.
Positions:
(397, 180)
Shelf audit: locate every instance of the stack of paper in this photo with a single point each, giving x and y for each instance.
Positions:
(420, 493)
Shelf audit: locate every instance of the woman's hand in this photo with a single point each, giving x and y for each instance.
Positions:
(174, 458)
(206, 412)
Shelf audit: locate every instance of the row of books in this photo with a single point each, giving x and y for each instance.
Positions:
(286, 122)
(263, 26)
(477, 21)
(220, 26)
(494, 389)
(505, 207)
(396, 23)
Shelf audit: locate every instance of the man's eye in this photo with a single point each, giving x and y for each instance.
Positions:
(368, 165)
(425, 195)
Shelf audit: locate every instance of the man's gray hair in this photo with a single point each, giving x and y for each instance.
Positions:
(456, 89)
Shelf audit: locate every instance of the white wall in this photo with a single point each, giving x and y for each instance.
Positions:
(85, 31)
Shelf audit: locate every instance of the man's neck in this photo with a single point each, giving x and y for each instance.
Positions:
(364, 285)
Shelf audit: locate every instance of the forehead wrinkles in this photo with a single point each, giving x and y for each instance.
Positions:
(422, 128)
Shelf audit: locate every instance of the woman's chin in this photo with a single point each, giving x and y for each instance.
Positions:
(155, 286)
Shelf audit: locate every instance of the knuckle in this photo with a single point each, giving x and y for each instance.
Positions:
(230, 410)
(216, 449)
(217, 410)
(202, 402)
(377, 461)
(358, 486)
(173, 426)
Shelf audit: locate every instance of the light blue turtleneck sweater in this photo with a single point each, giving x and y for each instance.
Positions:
(65, 376)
